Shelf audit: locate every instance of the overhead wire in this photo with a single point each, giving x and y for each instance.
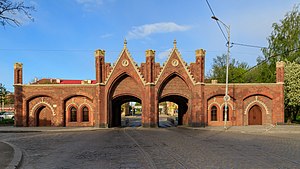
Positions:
(264, 61)
(247, 45)
(211, 10)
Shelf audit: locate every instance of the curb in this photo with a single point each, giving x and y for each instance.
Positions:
(36, 129)
(17, 159)
(245, 131)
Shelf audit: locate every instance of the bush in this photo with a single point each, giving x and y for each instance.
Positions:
(7, 122)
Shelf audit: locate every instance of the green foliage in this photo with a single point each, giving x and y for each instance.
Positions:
(284, 41)
(235, 68)
(292, 90)
(264, 73)
(6, 122)
(284, 45)
(3, 93)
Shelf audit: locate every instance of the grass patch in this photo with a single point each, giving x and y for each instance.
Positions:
(6, 122)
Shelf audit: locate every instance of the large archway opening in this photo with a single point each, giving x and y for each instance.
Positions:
(125, 111)
(176, 113)
(168, 114)
(43, 116)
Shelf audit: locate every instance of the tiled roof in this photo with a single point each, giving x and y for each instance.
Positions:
(62, 81)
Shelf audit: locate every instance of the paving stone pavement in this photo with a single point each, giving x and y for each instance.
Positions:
(6, 154)
(156, 148)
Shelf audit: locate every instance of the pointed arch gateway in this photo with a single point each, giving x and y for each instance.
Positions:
(43, 116)
(124, 89)
(175, 89)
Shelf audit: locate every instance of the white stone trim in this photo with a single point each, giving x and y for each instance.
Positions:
(213, 103)
(72, 103)
(184, 64)
(253, 103)
(85, 104)
(229, 104)
(41, 103)
(131, 61)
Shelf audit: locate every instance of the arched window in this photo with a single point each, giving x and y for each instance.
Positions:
(73, 114)
(85, 114)
(227, 113)
(214, 114)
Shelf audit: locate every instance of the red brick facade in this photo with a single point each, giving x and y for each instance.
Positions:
(98, 102)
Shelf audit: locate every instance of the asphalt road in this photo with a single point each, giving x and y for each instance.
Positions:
(155, 148)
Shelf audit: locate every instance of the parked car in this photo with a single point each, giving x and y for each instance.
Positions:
(7, 115)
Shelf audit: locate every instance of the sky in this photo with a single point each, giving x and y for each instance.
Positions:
(61, 41)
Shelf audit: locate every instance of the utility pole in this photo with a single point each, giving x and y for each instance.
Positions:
(2, 97)
(226, 97)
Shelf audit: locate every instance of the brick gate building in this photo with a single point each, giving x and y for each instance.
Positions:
(58, 102)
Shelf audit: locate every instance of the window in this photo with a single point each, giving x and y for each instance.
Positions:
(227, 113)
(214, 113)
(85, 114)
(73, 114)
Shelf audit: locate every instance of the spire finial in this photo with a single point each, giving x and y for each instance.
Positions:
(175, 43)
(125, 43)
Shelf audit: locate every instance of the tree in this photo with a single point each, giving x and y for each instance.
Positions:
(3, 94)
(10, 12)
(284, 44)
(236, 68)
(292, 91)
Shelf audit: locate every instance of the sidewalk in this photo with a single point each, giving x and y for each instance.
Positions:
(12, 129)
(241, 129)
(255, 129)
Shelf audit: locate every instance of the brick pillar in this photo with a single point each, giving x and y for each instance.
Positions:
(18, 73)
(279, 115)
(150, 114)
(200, 63)
(18, 81)
(280, 72)
(150, 66)
(100, 65)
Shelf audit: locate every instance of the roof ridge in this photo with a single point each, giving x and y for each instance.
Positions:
(134, 64)
(184, 64)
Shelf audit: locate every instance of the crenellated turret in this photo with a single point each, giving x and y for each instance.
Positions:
(18, 73)
(100, 65)
(198, 67)
(280, 72)
(150, 66)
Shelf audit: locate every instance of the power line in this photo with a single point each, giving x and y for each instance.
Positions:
(247, 45)
(240, 44)
(212, 12)
(264, 61)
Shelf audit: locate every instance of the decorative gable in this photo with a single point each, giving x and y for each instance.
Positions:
(175, 64)
(126, 63)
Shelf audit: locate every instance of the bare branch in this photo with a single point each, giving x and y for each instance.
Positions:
(9, 11)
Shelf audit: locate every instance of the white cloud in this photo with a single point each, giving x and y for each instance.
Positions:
(90, 5)
(142, 31)
(107, 35)
(164, 54)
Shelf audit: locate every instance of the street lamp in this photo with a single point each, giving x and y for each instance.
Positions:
(2, 97)
(226, 97)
